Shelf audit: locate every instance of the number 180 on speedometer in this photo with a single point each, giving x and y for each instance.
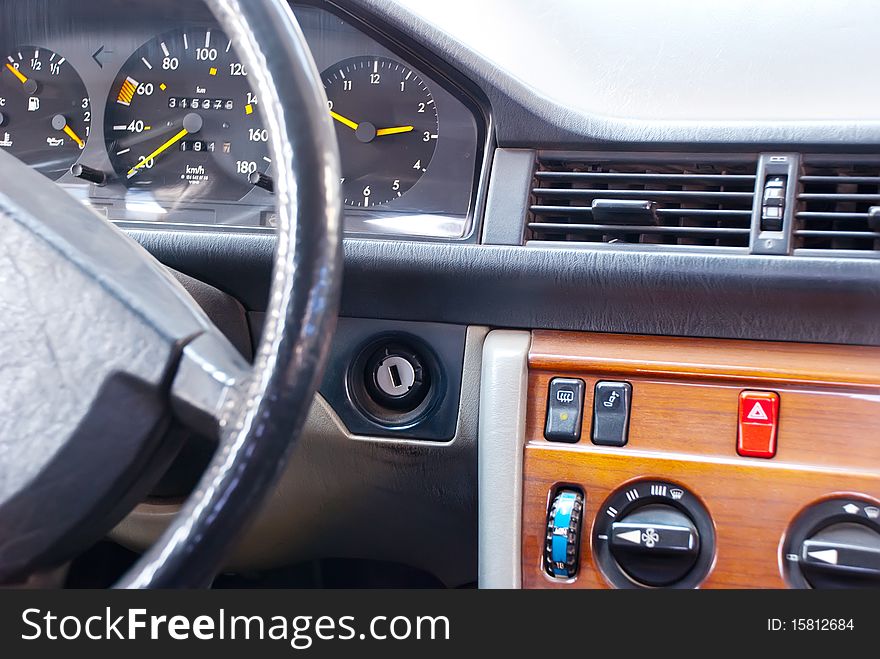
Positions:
(182, 122)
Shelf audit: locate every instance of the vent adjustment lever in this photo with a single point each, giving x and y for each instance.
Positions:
(625, 211)
(773, 203)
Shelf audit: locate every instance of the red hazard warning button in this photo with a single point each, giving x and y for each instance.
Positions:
(758, 413)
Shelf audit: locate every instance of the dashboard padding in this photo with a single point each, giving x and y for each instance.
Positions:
(702, 295)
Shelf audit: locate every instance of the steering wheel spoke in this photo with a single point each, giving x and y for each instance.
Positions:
(102, 348)
(203, 390)
(92, 333)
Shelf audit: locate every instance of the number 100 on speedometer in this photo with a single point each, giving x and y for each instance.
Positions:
(182, 122)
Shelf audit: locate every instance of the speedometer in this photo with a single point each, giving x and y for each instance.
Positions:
(181, 121)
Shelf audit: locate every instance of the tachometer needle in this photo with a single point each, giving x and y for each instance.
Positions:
(192, 123)
(345, 121)
(393, 131)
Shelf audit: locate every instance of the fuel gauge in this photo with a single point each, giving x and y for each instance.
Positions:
(45, 112)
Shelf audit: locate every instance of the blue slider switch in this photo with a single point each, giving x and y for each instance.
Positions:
(563, 534)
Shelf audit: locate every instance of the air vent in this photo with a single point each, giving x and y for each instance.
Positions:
(839, 205)
(665, 200)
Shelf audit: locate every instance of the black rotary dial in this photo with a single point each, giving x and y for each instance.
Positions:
(182, 122)
(386, 124)
(45, 113)
(652, 534)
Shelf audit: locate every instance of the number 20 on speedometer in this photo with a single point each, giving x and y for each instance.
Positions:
(181, 121)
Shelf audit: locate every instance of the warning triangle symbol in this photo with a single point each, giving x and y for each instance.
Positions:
(758, 413)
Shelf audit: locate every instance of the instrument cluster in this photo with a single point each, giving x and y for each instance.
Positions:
(151, 119)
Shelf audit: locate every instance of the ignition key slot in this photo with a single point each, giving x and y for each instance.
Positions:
(394, 380)
(395, 377)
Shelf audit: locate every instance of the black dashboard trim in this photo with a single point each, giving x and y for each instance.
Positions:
(737, 296)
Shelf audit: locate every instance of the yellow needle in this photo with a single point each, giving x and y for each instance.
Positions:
(159, 151)
(18, 74)
(343, 120)
(393, 131)
(76, 138)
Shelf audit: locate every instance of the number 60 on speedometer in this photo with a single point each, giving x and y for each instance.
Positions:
(182, 122)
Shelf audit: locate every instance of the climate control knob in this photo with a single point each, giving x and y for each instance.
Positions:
(656, 545)
(835, 544)
(654, 534)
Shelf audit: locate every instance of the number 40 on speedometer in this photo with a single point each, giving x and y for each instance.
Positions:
(182, 122)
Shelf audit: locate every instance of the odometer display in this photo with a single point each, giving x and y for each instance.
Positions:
(182, 122)
(387, 127)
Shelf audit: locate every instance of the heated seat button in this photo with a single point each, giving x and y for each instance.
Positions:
(758, 424)
(611, 402)
(564, 408)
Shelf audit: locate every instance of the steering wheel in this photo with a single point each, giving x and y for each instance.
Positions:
(101, 347)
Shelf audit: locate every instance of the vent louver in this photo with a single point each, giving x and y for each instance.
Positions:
(839, 205)
(669, 200)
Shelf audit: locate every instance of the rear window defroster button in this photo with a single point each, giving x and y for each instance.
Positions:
(565, 406)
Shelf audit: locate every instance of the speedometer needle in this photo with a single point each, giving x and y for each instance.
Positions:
(192, 123)
(162, 149)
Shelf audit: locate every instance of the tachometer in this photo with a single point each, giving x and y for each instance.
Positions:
(386, 124)
(181, 121)
(45, 112)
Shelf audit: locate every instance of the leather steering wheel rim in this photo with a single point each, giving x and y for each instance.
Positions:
(264, 415)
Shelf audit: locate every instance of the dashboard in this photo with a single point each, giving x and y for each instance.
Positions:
(144, 112)
(511, 282)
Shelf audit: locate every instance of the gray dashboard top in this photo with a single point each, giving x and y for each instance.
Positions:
(632, 71)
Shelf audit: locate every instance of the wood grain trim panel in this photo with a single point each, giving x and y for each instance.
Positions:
(683, 429)
(816, 426)
(706, 359)
(751, 503)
